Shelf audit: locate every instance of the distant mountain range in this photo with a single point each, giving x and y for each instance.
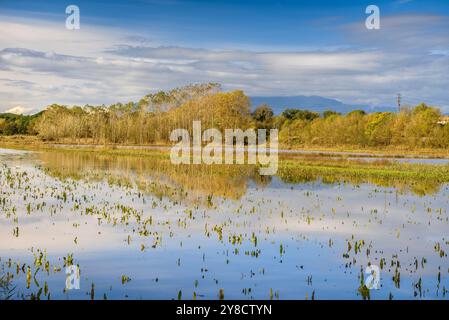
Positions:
(279, 104)
(313, 103)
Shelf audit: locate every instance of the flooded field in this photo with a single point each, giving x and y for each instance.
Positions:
(141, 228)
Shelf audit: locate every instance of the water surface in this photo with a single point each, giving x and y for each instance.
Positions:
(141, 228)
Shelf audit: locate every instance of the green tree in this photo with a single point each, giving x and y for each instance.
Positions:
(263, 116)
(329, 113)
(294, 114)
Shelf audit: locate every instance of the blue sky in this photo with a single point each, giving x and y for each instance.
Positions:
(248, 24)
(125, 49)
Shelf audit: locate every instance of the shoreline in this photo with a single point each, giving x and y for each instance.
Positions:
(34, 143)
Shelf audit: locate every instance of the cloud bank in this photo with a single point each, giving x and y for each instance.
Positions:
(43, 63)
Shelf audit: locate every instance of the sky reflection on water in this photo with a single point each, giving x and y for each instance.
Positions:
(253, 239)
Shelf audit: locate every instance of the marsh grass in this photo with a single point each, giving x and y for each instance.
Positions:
(420, 179)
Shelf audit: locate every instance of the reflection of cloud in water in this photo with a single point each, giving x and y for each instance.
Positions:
(301, 217)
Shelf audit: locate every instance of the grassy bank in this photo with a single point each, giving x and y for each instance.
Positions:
(35, 143)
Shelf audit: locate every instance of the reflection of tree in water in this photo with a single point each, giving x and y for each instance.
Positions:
(155, 174)
(262, 181)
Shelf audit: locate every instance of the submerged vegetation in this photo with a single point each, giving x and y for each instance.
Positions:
(152, 218)
(6, 287)
(420, 179)
(192, 232)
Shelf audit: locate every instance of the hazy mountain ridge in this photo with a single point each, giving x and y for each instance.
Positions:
(313, 103)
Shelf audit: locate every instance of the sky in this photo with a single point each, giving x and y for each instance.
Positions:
(127, 49)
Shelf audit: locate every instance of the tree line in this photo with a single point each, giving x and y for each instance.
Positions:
(152, 119)
(12, 124)
(417, 127)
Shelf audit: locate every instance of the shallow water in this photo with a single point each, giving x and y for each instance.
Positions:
(403, 160)
(144, 229)
(362, 156)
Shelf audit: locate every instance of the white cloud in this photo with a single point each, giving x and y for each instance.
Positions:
(41, 35)
(403, 33)
(43, 63)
